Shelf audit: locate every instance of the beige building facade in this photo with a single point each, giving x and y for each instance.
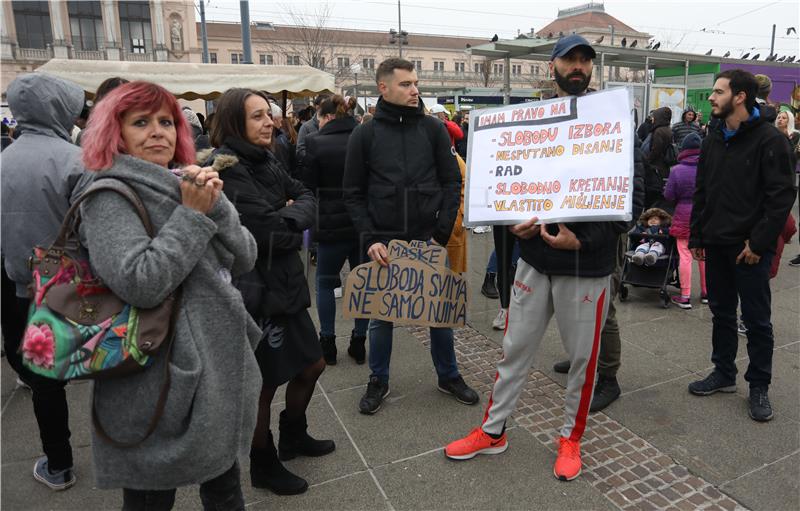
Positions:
(168, 31)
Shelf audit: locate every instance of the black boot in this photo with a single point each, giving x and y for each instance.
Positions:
(357, 349)
(489, 287)
(295, 440)
(266, 471)
(605, 392)
(328, 348)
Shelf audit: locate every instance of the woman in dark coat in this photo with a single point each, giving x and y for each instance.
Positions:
(337, 238)
(657, 170)
(276, 209)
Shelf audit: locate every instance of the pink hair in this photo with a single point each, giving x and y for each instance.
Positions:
(102, 140)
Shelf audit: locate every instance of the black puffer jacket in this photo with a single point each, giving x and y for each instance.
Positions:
(259, 189)
(406, 184)
(323, 172)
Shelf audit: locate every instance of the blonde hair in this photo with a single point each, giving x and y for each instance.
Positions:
(789, 121)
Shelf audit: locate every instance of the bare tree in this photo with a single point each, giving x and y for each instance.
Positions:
(483, 76)
(313, 42)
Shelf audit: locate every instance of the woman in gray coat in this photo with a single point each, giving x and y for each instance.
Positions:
(135, 135)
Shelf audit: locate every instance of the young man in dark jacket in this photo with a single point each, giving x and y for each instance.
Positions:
(564, 270)
(687, 125)
(402, 181)
(744, 191)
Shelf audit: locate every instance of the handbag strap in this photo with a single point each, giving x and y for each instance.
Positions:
(162, 395)
(69, 227)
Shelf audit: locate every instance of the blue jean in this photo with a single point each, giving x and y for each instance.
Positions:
(728, 284)
(331, 256)
(380, 350)
(491, 266)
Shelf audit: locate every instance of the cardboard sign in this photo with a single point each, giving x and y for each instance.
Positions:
(561, 160)
(416, 288)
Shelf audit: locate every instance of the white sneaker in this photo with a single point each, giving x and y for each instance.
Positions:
(499, 322)
(482, 229)
(337, 292)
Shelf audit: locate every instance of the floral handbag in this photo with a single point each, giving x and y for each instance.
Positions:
(77, 328)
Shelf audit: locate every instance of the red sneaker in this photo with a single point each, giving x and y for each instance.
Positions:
(568, 462)
(477, 442)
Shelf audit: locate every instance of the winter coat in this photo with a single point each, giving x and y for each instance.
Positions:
(644, 129)
(308, 127)
(662, 137)
(680, 188)
(744, 187)
(406, 185)
(210, 412)
(789, 230)
(40, 170)
(683, 128)
(457, 244)
(259, 189)
(323, 175)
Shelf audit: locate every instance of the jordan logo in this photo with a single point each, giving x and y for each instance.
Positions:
(586, 299)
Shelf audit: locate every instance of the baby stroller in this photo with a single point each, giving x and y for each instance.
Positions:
(657, 276)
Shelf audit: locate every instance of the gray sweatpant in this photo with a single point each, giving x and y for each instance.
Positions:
(580, 305)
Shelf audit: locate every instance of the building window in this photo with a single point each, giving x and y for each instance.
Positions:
(212, 58)
(438, 66)
(460, 67)
(86, 25)
(478, 68)
(318, 62)
(134, 18)
(33, 24)
(417, 64)
(535, 70)
(497, 69)
(293, 60)
(237, 58)
(343, 62)
(265, 59)
(368, 64)
(516, 69)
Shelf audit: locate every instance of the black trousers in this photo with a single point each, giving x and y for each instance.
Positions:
(223, 493)
(728, 283)
(49, 397)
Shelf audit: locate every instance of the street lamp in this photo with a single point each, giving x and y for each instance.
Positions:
(355, 69)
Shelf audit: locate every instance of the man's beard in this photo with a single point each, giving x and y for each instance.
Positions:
(570, 87)
(724, 110)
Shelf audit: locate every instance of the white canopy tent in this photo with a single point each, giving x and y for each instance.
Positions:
(196, 81)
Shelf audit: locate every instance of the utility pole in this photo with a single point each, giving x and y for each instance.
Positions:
(203, 33)
(400, 29)
(772, 44)
(244, 12)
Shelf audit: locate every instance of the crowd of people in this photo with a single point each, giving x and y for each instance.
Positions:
(231, 198)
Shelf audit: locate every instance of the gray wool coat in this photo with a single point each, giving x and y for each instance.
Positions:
(211, 408)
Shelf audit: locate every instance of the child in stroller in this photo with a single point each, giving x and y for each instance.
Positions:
(653, 222)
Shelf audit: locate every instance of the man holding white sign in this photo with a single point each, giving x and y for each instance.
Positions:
(564, 268)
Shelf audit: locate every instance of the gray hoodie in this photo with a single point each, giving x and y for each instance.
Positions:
(40, 171)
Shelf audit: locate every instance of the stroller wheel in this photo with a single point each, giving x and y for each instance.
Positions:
(623, 293)
(665, 298)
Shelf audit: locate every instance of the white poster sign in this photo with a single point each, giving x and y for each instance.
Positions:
(562, 160)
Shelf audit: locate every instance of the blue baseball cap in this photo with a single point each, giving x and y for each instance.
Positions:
(567, 43)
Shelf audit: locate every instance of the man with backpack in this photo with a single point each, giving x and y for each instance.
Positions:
(660, 155)
(402, 181)
(41, 173)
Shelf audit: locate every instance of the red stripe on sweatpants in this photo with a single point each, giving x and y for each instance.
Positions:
(591, 368)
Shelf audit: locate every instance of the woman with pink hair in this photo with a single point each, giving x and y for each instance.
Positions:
(137, 135)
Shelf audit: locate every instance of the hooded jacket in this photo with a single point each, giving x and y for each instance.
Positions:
(210, 411)
(662, 137)
(40, 170)
(323, 175)
(683, 128)
(406, 184)
(680, 188)
(259, 189)
(744, 188)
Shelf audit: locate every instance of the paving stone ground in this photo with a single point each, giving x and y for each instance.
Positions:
(657, 447)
